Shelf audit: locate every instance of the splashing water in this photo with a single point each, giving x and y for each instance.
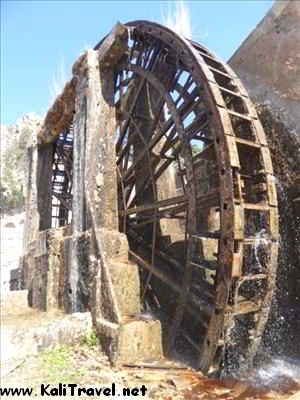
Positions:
(73, 278)
(274, 371)
(261, 240)
(279, 375)
(179, 20)
(260, 245)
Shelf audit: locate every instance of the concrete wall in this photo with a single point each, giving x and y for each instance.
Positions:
(268, 61)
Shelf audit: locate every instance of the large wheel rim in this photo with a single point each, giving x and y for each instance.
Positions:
(234, 313)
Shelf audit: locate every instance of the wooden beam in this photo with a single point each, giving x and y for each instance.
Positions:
(159, 204)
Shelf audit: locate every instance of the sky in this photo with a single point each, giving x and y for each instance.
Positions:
(40, 40)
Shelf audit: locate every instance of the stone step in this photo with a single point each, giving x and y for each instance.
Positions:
(126, 281)
(31, 331)
(139, 340)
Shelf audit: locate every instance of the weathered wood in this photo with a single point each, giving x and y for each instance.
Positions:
(60, 115)
(162, 203)
(164, 278)
(113, 46)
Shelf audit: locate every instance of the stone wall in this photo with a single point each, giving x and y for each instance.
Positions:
(85, 266)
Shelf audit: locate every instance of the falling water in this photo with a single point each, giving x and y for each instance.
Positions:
(73, 278)
(74, 295)
(261, 240)
(260, 244)
(281, 322)
(273, 370)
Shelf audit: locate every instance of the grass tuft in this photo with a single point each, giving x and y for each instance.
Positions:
(57, 362)
(91, 340)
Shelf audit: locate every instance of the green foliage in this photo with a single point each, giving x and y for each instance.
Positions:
(58, 358)
(12, 199)
(195, 149)
(91, 340)
(13, 169)
(59, 364)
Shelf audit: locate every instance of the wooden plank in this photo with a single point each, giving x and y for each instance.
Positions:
(149, 219)
(246, 278)
(226, 121)
(211, 235)
(244, 307)
(189, 339)
(274, 223)
(265, 153)
(260, 133)
(215, 70)
(237, 262)
(204, 264)
(239, 115)
(159, 204)
(236, 94)
(257, 207)
(247, 143)
(238, 222)
(113, 46)
(250, 241)
(62, 200)
(272, 192)
(233, 151)
(159, 274)
(174, 286)
(217, 94)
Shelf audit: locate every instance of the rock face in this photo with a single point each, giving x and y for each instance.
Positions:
(15, 140)
(268, 62)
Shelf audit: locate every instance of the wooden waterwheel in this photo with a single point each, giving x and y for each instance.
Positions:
(197, 198)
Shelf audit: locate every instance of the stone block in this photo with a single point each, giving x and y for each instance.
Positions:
(113, 46)
(69, 330)
(138, 341)
(114, 244)
(135, 340)
(44, 268)
(38, 289)
(126, 283)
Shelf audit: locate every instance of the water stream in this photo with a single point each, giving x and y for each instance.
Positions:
(274, 371)
(74, 295)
